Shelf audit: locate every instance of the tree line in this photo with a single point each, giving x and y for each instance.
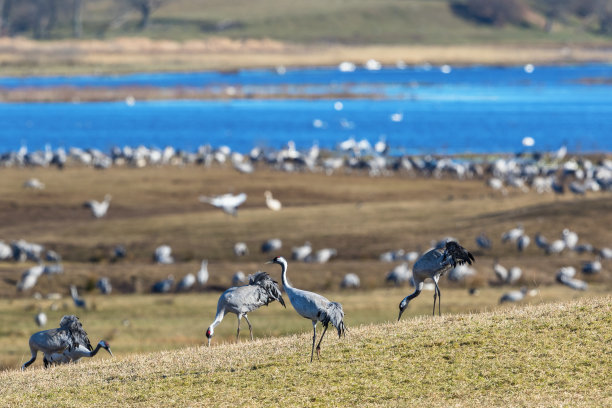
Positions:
(42, 17)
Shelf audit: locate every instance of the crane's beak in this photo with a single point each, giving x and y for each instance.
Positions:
(400, 314)
(209, 342)
(109, 351)
(269, 262)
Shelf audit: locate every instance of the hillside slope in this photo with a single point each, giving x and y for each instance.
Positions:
(545, 355)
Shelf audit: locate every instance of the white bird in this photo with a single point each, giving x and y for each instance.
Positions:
(500, 271)
(513, 234)
(238, 278)
(40, 319)
(241, 300)
(514, 296)
(555, 247)
(202, 275)
(229, 203)
(163, 255)
(78, 301)
(29, 277)
(312, 306)
(163, 286)
(98, 209)
(270, 245)
(514, 274)
(241, 249)
(271, 202)
(322, 255)
(432, 265)
(565, 275)
(186, 283)
(570, 238)
(69, 337)
(5, 251)
(300, 253)
(34, 184)
(350, 280)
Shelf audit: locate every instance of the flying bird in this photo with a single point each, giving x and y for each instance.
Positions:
(314, 307)
(229, 203)
(241, 300)
(68, 341)
(434, 264)
(98, 209)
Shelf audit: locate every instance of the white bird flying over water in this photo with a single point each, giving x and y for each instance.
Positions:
(229, 203)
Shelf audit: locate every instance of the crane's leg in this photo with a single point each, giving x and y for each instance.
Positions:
(238, 331)
(250, 327)
(314, 338)
(435, 296)
(439, 298)
(27, 363)
(319, 345)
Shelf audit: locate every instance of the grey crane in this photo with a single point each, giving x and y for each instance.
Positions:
(40, 318)
(514, 296)
(241, 249)
(314, 307)
(513, 234)
(78, 301)
(229, 203)
(541, 241)
(74, 355)
(300, 253)
(69, 337)
(522, 242)
(483, 241)
(98, 209)
(163, 286)
(350, 280)
(186, 283)
(593, 267)
(399, 275)
(434, 264)
(104, 285)
(241, 300)
(163, 255)
(270, 245)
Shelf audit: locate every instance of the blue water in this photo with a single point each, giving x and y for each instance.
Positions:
(475, 109)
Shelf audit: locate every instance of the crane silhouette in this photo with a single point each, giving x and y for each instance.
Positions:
(314, 307)
(69, 342)
(98, 209)
(241, 300)
(434, 264)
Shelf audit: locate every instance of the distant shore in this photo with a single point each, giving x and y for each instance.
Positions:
(24, 57)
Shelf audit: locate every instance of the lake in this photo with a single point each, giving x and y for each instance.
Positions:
(417, 110)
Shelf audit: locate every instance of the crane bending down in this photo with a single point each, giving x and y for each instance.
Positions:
(67, 343)
(434, 264)
(241, 300)
(314, 307)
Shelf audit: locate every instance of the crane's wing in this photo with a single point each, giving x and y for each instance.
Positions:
(457, 254)
(270, 286)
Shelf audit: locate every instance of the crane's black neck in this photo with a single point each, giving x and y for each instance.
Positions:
(95, 351)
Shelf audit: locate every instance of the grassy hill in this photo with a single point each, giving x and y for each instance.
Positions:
(546, 355)
(320, 21)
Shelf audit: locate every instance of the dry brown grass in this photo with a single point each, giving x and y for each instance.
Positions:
(20, 56)
(546, 355)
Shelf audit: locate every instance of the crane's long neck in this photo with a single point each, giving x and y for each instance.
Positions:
(218, 318)
(95, 351)
(286, 283)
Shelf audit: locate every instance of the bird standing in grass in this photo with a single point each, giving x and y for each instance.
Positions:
(434, 264)
(98, 209)
(314, 307)
(241, 300)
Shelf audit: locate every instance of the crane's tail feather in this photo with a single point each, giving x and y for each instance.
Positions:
(270, 286)
(457, 254)
(335, 315)
(75, 328)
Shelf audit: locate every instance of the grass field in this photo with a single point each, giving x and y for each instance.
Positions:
(359, 215)
(554, 354)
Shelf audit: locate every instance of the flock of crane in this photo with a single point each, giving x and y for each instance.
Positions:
(69, 342)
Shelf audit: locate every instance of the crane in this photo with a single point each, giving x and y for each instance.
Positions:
(78, 301)
(98, 209)
(241, 300)
(69, 338)
(72, 356)
(434, 264)
(229, 203)
(314, 307)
